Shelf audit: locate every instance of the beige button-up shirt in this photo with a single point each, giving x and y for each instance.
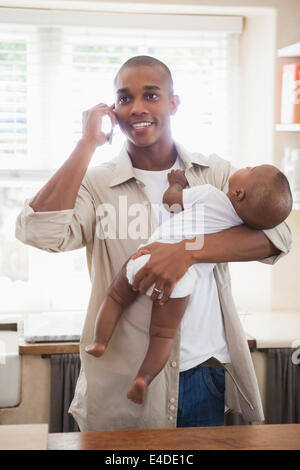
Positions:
(100, 401)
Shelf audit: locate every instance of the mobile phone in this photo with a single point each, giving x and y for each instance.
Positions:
(107, 127)
(110, 137)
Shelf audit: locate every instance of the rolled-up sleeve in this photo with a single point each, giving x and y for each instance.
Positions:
(281, 238)
(56, 231)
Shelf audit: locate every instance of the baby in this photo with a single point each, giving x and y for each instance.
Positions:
(259, 197)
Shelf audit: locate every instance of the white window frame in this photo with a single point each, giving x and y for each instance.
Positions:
(121, 19)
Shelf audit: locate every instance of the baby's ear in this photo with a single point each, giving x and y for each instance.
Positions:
(239, 194)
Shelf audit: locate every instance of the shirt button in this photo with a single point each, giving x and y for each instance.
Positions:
(171, 418)
(173, 363)
(172, 407)
(172, 400)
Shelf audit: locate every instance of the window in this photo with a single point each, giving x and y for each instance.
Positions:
(13, 95)
(51, 73)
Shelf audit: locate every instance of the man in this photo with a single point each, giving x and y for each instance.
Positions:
(67, 213)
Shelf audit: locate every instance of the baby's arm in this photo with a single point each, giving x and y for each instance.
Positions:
(173, 195)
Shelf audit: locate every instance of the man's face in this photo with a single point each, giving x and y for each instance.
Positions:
(144, 105)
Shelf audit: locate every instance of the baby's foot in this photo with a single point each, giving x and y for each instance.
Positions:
(95, 349)
(138, 391)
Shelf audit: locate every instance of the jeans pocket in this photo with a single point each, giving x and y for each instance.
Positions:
(214, 378)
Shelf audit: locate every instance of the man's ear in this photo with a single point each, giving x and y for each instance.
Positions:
(239, 194)
(175, 102)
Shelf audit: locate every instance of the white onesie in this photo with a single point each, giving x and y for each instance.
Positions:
(206, 210)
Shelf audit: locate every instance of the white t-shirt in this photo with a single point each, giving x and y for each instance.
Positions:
(202, 331)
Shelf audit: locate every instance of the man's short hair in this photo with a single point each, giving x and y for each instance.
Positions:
(145, 60)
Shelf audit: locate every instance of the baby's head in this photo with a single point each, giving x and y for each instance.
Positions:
(261, 196)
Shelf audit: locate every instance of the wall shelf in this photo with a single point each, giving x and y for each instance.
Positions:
(290, 51)
(288, 127)
(293, 50)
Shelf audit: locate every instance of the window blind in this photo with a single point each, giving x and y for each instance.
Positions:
(13, 95)
(55, 66)
(50, 74)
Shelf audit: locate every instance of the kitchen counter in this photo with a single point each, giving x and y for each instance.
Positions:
(274, 329)
(24, 437)
(37, 349)
(263, 330)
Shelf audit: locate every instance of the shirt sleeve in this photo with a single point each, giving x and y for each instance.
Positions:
(195, 194)
(281, 237)
(57, 231)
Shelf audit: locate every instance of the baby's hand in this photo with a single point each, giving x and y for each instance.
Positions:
(177, 176)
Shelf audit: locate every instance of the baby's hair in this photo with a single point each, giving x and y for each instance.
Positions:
(273, 204)
(283, 183)
(145, 60)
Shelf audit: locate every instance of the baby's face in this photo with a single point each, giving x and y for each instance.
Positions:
(246, 177)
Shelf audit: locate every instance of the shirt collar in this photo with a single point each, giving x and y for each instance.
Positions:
(123, 170)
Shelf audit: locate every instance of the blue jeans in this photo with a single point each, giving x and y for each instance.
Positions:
(201, 397)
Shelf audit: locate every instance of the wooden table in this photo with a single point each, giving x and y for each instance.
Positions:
(273, 436)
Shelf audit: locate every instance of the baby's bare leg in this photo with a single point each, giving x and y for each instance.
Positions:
(118, 297)
(165, 320)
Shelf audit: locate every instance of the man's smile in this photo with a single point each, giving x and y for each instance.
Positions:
(137, 125)
(141, 126)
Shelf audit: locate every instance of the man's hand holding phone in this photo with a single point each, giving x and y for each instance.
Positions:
(92, 123)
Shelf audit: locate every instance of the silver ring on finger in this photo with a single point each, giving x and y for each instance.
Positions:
(156, 290)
